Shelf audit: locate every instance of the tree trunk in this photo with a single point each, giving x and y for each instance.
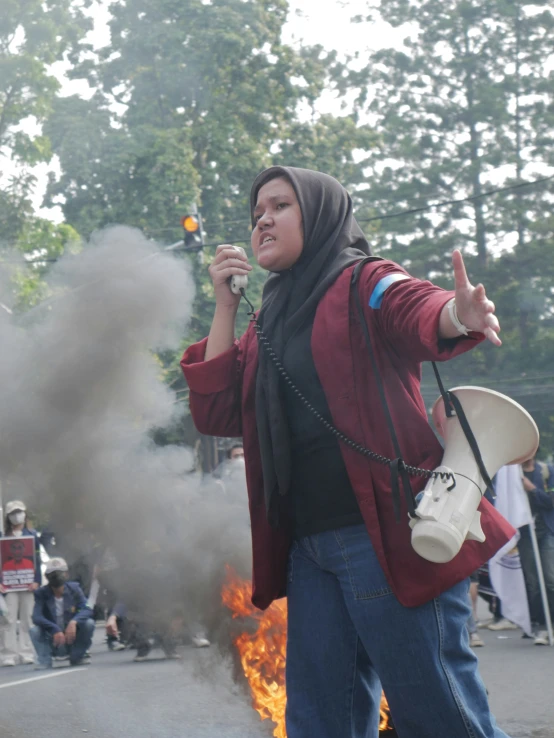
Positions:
(475, 165)
(519, 163)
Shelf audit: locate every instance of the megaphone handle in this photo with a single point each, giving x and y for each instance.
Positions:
(453, 407)
(470, 438)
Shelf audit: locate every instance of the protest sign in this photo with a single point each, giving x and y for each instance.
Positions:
(17, 562)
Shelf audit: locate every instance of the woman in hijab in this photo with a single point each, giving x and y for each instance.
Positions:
(364, 610)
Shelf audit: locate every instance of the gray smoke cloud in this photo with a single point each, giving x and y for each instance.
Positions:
(80, 392)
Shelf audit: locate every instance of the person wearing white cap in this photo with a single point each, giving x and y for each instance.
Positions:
(63, 624)
(17, 646)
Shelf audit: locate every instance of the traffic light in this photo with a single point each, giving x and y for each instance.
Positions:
(192, 226)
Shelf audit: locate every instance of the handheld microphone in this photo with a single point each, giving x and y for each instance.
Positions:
(238, 282)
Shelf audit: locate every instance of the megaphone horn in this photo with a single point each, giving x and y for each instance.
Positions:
(505, 434)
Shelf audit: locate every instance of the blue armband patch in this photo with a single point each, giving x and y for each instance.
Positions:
(379, 290)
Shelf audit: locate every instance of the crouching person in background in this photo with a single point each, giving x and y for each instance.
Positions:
(117, 627)
(62, 622)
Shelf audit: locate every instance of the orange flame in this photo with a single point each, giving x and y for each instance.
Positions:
(384, 723)
(263, 653)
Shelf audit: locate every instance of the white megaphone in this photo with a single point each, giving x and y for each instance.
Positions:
(505, 434)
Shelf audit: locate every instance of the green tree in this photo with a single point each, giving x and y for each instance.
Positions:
(464, 97)
(15, 207)
(192, 100)
(464, 107)
(34, 35)
(39, 243)
(142, 177)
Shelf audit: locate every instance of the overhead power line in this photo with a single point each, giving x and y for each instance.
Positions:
(433, 206)
(442, 203)
(382, 216)
(457, 201)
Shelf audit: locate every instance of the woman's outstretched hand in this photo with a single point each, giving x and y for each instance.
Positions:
(473, 308)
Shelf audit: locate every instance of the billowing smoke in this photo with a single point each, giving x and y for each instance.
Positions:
(80, 393)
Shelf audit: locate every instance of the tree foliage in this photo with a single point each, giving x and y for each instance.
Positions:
(34, 35)
(15, 207)
(464, 107)
(458, 110)
(191, 99)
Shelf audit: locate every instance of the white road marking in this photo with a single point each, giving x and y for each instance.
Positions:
(62, 672)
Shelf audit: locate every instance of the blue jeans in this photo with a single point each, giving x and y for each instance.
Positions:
(44, 645)
(348, 635)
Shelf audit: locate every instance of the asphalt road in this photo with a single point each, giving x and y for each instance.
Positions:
(116, 698)
(197, 697)
(520, 680)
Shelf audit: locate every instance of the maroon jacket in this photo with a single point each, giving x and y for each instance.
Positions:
(404, 332)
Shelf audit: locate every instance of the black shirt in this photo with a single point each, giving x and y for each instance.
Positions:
(321, 495)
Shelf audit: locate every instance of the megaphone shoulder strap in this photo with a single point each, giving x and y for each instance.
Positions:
(452, 404)
(470, 438)
(397, 466)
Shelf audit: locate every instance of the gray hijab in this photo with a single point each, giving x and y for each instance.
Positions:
(333, 241)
